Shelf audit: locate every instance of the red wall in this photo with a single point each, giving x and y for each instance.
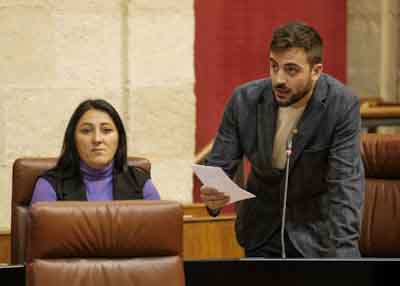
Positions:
(231, 47)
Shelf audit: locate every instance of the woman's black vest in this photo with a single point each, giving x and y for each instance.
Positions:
(127, 185)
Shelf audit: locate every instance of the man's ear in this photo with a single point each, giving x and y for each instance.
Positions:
(316, 71)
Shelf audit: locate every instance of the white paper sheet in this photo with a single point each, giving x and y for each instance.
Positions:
(216, 178)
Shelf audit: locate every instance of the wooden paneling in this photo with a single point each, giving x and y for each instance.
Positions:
(5, 246)
(194, 210)
(208, 237)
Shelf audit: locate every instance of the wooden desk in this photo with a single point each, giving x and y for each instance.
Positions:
(375, 113)
(5, 246)
(207, 237)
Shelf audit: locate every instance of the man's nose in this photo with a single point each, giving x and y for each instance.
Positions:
(281, 77)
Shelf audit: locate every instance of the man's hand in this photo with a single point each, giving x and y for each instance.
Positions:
(212, 198)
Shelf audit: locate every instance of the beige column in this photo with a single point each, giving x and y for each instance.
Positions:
(389, 54)
(363, 47)
(161, 121)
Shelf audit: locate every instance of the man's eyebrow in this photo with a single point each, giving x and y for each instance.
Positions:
(272, 59)
(292, 65)
(286, 64)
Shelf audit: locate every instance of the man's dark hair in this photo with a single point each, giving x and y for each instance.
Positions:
(69, 158)
(298, 35)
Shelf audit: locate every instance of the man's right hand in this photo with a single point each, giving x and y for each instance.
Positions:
(212, 198)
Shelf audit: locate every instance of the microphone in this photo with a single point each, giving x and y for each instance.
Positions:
(289, 146)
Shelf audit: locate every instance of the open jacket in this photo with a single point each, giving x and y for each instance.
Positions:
(326, 179)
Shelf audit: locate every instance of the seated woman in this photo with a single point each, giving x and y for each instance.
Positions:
(93, 164)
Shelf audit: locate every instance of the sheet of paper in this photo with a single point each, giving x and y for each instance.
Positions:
(216, 178)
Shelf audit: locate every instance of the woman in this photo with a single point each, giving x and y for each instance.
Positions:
(93, 162)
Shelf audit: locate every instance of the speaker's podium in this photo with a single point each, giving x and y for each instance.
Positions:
(293, 272)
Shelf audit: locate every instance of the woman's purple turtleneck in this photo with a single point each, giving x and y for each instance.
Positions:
(98, 183)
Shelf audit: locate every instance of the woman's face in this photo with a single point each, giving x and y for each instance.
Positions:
(96, 138)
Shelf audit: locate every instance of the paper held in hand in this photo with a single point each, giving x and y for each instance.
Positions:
(216, 178)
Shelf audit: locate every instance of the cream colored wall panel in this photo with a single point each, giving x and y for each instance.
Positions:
(2, 130)
(162, 121)
(363, 7)
(162, 102)
(161, 128)
(389, 50)
(87, 50)
(363, 46)
(27, 45)
(26, 3)
(87, 6)
(160, 47)
(171, 5)
(173, 178)
(398, 52)
(5, 197)
(35, 120)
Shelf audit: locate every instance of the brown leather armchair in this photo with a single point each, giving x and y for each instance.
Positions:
(380, 231)
(105, 243)
(25, 172)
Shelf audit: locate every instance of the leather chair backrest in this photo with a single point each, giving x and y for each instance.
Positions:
(380, 231)
(25, 173)
(105, 243)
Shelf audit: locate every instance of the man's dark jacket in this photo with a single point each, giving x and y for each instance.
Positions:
(325, 190)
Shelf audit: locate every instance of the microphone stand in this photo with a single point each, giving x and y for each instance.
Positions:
(288, 155)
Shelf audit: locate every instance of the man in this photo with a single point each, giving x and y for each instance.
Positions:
(319, 118)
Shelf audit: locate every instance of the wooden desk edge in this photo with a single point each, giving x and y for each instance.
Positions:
(194, 219)
(4, 231)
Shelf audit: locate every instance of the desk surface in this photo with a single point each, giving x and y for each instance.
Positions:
(12, 275)
(299, 272)
(281, 272)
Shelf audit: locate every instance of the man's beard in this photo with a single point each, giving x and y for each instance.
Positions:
(295, 97)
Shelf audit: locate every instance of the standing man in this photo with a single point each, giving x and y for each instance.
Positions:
(318, 119)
